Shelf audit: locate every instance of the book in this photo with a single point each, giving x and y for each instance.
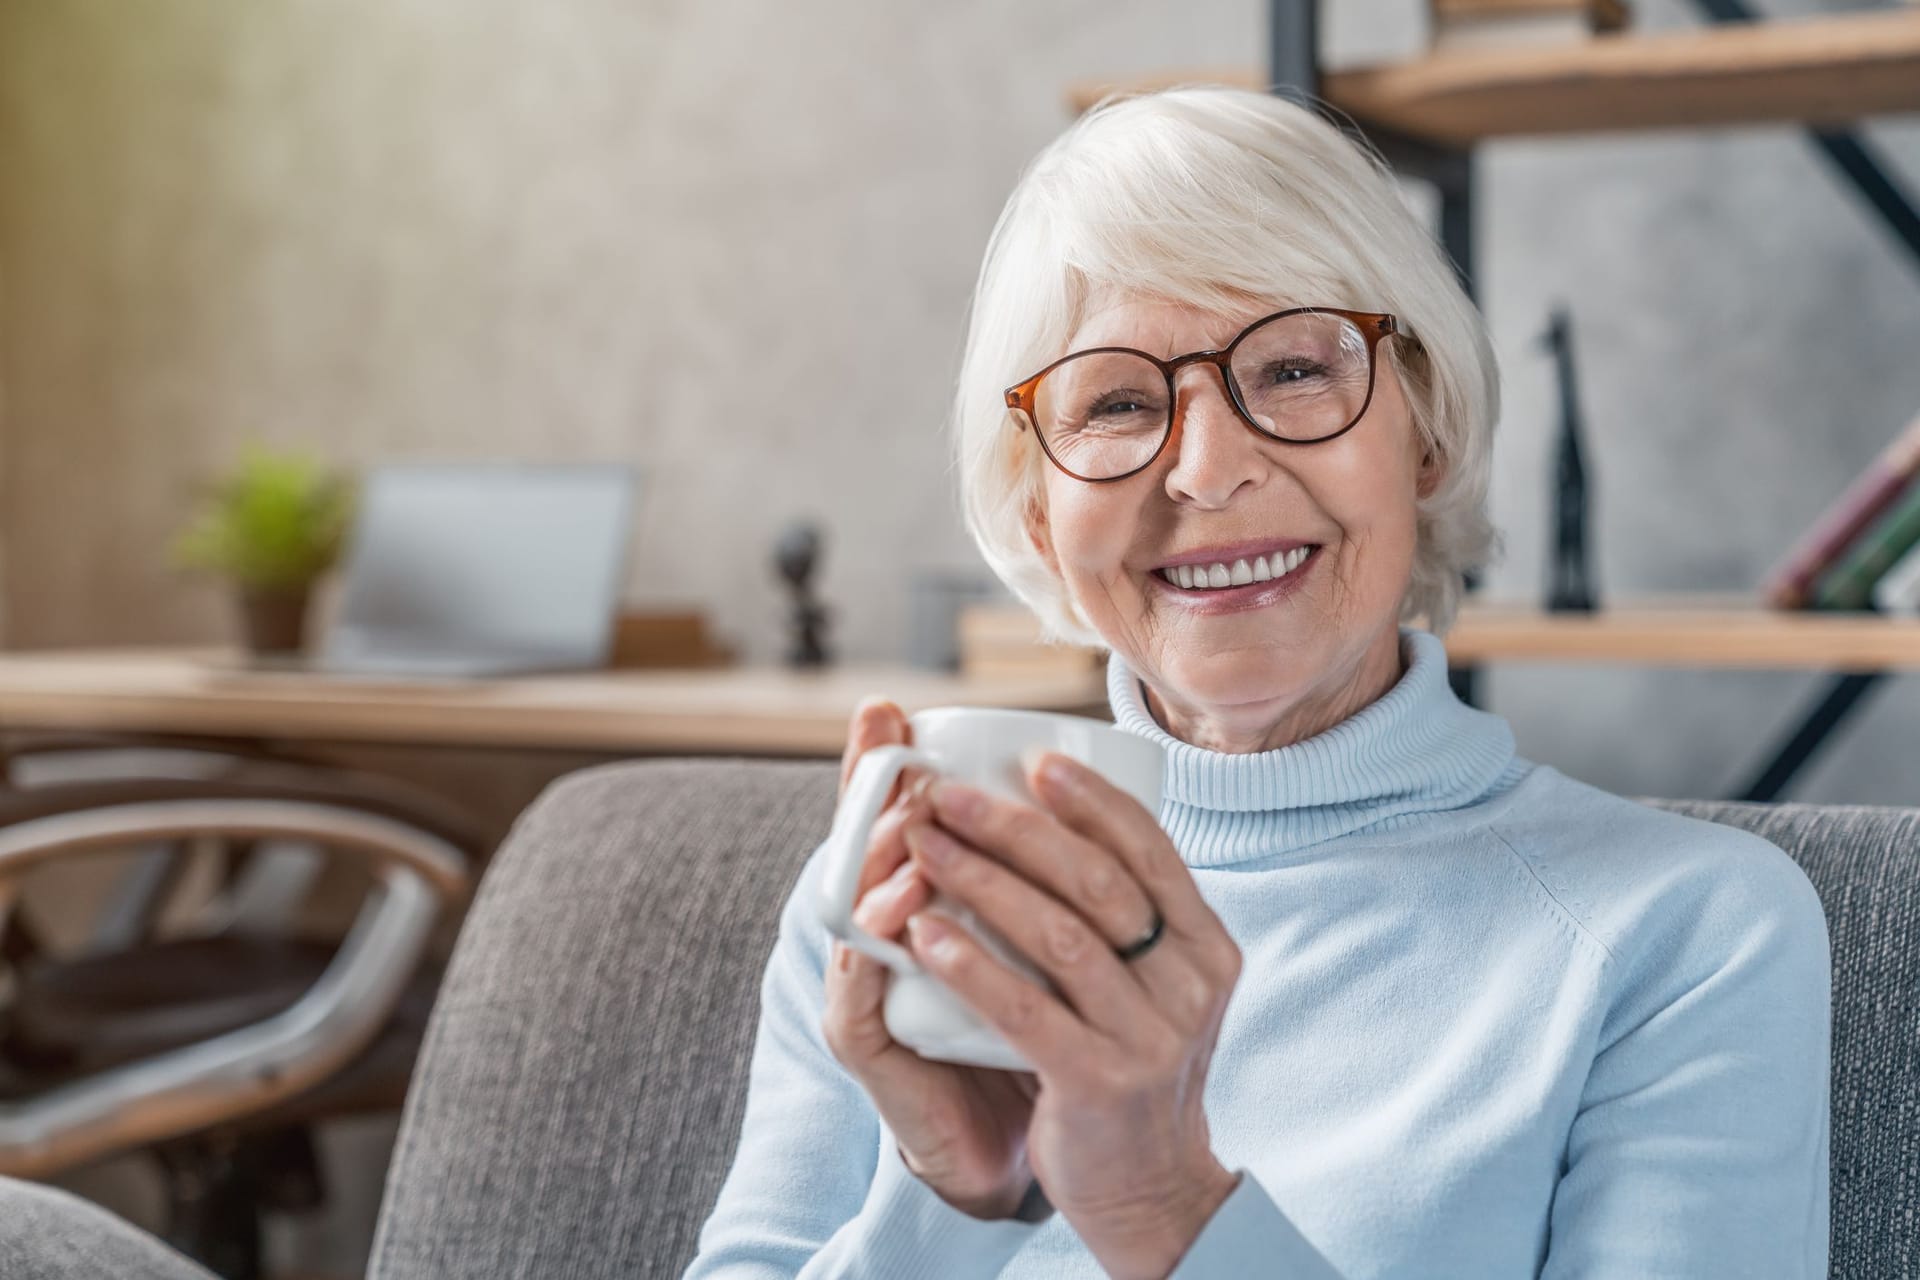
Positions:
(1003, 640)
(665, 638)
(1848, 584)
(1789, 583)
(1898, 591)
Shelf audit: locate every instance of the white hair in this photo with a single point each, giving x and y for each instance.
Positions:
(1210, 197)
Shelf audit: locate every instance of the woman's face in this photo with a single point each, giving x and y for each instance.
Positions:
(1272, 664)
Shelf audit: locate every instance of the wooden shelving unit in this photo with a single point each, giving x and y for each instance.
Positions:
(1830, 69)
(1427, 115)
(1685, 630)
(1680, 630)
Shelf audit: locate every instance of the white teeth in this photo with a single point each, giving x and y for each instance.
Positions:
(1241, 572)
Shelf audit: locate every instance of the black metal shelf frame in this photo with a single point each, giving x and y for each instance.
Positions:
(1293, 60)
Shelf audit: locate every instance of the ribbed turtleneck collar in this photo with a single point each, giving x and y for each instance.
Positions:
(1415, 749)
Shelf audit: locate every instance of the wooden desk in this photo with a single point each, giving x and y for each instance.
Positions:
(724, 710)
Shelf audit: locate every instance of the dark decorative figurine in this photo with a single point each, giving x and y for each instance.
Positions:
(1570, 585)
(797, 555)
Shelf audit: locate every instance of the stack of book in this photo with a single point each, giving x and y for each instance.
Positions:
(1507, 24)
(1864, 550)
(1003, 641)
(666, 638)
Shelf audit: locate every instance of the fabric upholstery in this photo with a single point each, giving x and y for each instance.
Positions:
(580, 1090)
(49, 1234)
(582, 1129)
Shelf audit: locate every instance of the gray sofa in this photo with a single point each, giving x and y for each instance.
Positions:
(579, 1095)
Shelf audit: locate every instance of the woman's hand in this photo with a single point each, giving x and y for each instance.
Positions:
(961, 1129)
(1119, 1136)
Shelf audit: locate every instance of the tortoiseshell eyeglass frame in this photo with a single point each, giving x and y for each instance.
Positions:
(1373, 326)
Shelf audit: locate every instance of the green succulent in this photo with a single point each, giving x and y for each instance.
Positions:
(275, 521)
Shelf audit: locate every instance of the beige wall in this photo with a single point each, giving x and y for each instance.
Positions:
(3, 453)
(729, 242)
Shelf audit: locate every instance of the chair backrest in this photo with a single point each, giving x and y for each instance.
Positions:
(578, 1099)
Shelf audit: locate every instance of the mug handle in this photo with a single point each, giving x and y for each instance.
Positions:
(846, 850)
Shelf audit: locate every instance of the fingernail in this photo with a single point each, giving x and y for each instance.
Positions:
(1054, 771)
(935, 846)
(957, 800)
(929, 932)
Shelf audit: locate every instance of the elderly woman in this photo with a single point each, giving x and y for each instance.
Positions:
(1371, 995)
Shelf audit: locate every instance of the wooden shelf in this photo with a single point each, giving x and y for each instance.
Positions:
(1826, 69)
(1692, 630)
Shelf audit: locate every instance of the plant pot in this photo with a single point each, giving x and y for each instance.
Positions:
(274, 618)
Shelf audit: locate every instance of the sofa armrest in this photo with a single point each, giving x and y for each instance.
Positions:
(580, 1092)
(49, 1234)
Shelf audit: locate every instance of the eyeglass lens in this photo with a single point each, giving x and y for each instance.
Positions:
(1300, 377)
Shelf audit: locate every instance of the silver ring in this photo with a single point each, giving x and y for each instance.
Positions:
(1134, 950)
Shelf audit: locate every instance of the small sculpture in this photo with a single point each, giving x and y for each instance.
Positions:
(796, 556)
(1570, 587)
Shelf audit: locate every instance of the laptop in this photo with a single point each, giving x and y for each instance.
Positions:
(479, 569)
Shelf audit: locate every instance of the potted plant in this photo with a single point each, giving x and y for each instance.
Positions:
(272, 527)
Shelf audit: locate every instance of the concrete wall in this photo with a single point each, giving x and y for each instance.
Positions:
(733, 244)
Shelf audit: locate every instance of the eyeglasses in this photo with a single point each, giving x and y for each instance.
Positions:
(1301, 376)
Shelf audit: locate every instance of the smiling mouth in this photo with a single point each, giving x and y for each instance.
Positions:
(1238, 573)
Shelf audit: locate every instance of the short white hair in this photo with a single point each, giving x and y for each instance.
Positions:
(1212, 196)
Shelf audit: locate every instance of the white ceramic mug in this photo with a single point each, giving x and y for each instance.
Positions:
(981, 746)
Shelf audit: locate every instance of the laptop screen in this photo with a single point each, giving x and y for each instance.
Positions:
(485, 558)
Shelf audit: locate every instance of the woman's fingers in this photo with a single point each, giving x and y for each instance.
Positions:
(856, 985)
(1109, 817)
(876, 721)
(1044, 1027)
(1106, 993)
(884, 911)
(1042, 848)
(856, 982)
(886, 845)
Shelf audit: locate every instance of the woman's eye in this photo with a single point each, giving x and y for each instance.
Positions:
(1281, 372)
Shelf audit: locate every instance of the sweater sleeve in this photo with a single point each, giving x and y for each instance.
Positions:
(1700, 1146)
(1249, 1236)
(817, 1188)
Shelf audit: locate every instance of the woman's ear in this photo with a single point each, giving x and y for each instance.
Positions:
(1430, 474)
(1040, 535)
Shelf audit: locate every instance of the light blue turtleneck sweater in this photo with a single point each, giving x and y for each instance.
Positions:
(1491, 1022)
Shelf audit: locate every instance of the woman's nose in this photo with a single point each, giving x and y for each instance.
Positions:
(1214, 451)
